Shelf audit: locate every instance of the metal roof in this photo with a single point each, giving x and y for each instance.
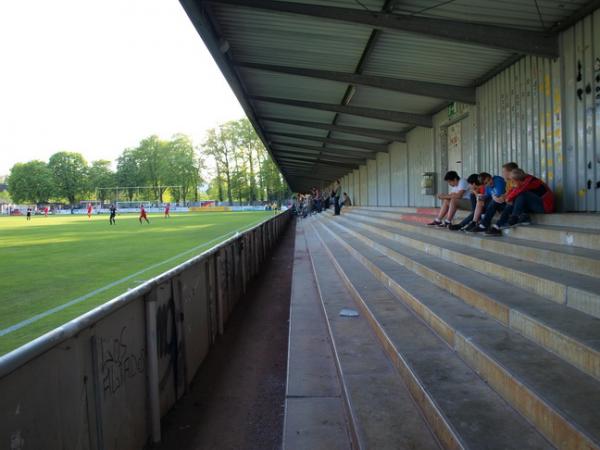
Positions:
(327, 82)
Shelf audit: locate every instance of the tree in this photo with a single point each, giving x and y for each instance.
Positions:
(219, 144)
(100, 175)
(152, 162)
(128, 172)
(183, 166)
(31, 182)
(69, 171)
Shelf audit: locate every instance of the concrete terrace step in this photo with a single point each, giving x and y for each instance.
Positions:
(380, 406)
(573, 335)
(559, 399)
(580, 260)
(572, 237)
(462, 409)
(315, 415)
(577, 291)
(589, 221)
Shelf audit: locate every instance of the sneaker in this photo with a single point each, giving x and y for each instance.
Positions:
(524, 219)
(455, 227)
(512, 221)
(444, 224)
(478, 229)
(435, 223)
(493, 231)
(469, 227)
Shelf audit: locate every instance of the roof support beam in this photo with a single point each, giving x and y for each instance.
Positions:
(338, 151)
(356, 144)
(358, 131)
(514, 39)
(311, 162)
(324, 154)
(313, 158)
(420, 120)
(436, 90)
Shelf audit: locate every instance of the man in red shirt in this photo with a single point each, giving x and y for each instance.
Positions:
(143, 214)
(530, 195)
(167, 211)
(89, 210)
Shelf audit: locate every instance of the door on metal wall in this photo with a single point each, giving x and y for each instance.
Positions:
(455, 153)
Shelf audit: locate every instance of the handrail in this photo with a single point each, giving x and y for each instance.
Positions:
(21, 355)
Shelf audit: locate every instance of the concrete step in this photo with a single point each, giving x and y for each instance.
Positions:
(379, 404)
(589, 221)
(315, 413)
(572, 237)
(571, 334)
(462, 409)
(557, 398)
(577, 291)
(580, 260)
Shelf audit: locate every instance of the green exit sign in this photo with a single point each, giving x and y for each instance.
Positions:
(451, 109)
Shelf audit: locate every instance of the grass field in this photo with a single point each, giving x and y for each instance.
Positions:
(47, 262)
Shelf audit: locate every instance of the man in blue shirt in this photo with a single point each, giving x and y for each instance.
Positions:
(495, 188)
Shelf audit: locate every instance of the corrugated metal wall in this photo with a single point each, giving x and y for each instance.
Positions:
(383, 179)
(399, 174)
(543, 114)
(372, 182)
(520, 120)
(580, 49)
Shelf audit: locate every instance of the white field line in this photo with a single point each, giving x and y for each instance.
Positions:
(58, 308)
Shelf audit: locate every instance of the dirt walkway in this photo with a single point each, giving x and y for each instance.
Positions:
(236, 400)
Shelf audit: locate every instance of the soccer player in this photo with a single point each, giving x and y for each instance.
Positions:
(89, 210)
(143, 214)
(46, 211)
(113, 213)
(167, 211)
(29, 213)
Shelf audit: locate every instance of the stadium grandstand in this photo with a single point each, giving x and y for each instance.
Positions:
(436, 283)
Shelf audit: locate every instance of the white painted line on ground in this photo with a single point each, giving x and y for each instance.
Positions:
(58, 308)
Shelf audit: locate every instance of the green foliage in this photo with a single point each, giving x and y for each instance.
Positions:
(100, 175)
(244, 169)
(70, 174)
(30, 182)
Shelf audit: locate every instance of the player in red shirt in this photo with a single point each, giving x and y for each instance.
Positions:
(143, 214)
(167, 211)
(89, 210)
(46, 211)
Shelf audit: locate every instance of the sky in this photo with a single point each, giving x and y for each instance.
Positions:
(96, 77)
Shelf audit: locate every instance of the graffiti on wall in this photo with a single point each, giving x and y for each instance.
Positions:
(119, 362)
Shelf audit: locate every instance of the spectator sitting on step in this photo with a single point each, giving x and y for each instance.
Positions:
(530, 195)
(494, 199)
(458, 197)
(475, 192)
(346, 200)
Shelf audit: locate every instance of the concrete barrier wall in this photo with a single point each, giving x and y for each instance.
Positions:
(104, 380)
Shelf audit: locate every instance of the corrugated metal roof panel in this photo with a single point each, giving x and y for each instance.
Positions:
(407, 55)
(291, 40)
(513, 13)
(265, 109)
(371, 5)
(395, 101)
(264, 83)
(354, 137)
(356, 121)
(273, 127)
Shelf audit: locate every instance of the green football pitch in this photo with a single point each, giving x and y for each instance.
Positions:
(50, 261)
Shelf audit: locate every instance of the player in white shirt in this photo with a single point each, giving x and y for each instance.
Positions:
(458, 196)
